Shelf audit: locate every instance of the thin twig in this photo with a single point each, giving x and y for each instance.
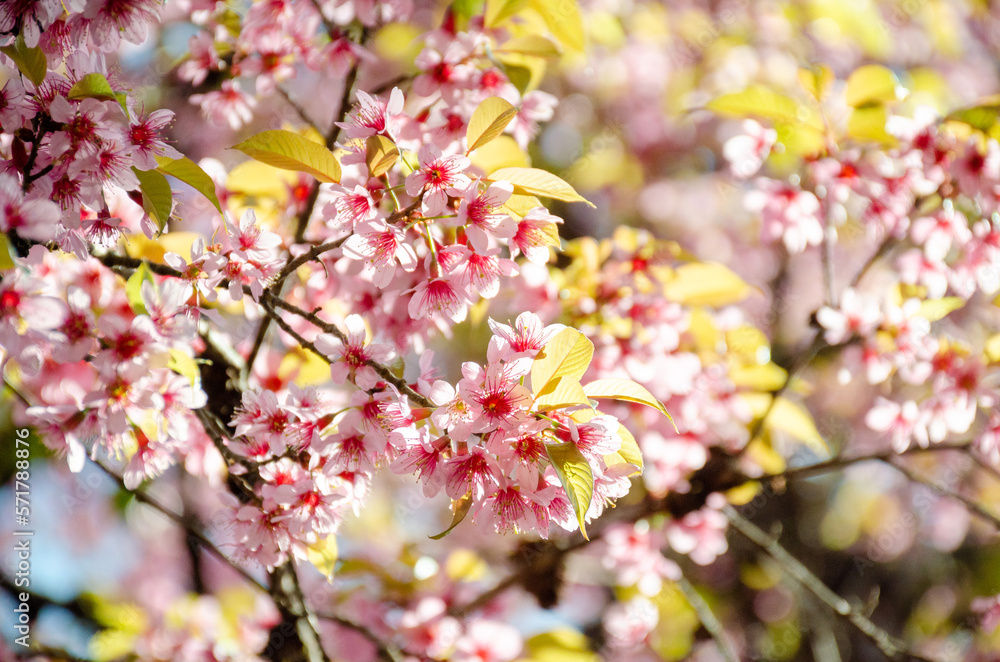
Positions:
(891, 647)
(940, 489)
(708, 619)
(184, 524)
(269, 302)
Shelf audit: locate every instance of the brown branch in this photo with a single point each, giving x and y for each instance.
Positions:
(708, 619)
(270, 302)
(891, 647)
(940, 489)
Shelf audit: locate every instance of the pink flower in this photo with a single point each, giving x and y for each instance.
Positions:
(746, 153)
(940, 232)
(111, 20)
(787, 212)
(353, 358)
(476, 211)
(502, 400)
(857, 315)
(202, 58)
(248, 240)
(488, 641)
(440, 176)
(484, 271)
(30, 218)
(229, 105)
(381, 246)
(349, 208)
(629, 623)
(700, 534)
(524, 339)
(147, 143)
(437, 295)
(373, 117)
(535, 233)
(903, 422)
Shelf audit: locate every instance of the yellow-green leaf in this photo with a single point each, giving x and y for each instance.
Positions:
(767, 377)
(706, 284)
(460, 508)
(992, 348)
(533, 181)
(871, 84)
(133, 288)
(498, 11)
(567, 355)
(629, 452)
(983, 117)
(532, 44)
(92, 86)
(184, 366)
(817, 81)
(380, 155)
(576, 476)
(564, 21)
(935, 309)
(760, 101)
(616, 388)
(488, 121)
(157, 199)
(189, 172)
(30, 61)
(6, 261)
(290, 151)
(323, 554)
(868, 123)
(561, 392)
(795, 420)
(504, 152)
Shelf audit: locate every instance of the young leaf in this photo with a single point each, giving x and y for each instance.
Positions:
(184, 366)
(92, 86)
(794, 419)
(498, 11)
(567, 355)
(871, 84)
(706, 284)
(576, 476)
(30, 61)
(290, 151)
(133, 288)
(6, 261)
(868, 123)
(760, 101)
(191, 174)
(532, 181)
(624, 389)
(561, 392)
(460, 508)
(564, 21)
(983, 117)
(935, 309)
(380, 155)
(323, 554)
(532, 44)
(157, 200)
(630, 448)
(488, 121)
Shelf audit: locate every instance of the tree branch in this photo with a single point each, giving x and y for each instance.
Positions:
(708, 619)
(891, 647)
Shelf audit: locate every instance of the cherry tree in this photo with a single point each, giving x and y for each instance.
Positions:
(503, 330)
